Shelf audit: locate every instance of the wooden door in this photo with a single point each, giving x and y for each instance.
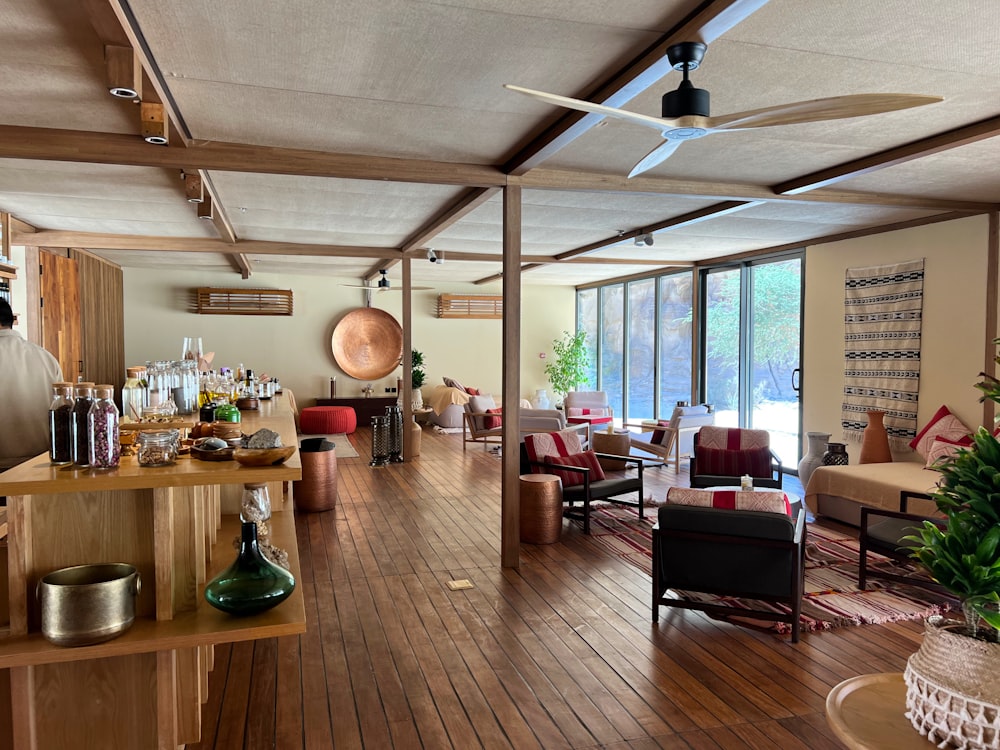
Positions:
(59, 299)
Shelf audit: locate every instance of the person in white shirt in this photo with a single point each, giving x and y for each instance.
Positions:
(27, 372)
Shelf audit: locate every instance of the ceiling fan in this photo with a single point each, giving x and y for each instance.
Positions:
(685, 110)
(384, 285)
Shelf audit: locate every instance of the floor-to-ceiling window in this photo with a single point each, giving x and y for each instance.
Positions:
(752, 331)
(639, 333)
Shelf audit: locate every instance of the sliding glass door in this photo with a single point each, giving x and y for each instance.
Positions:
(751, 353)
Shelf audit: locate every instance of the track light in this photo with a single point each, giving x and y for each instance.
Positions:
(644, 239)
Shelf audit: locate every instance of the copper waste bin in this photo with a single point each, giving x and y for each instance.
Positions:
(317, 490)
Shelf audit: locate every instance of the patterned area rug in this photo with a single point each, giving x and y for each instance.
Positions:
(832, 598)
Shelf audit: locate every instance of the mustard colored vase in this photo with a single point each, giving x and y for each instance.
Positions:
(875, 441)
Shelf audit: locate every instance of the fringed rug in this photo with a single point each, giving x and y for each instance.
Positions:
(832, 598)
(882, 316)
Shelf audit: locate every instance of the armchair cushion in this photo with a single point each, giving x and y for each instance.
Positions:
(944, 449)
(492, 422)
(562, 443)
(732, 438)
(583, 460)
(767, 502)
(721, 462)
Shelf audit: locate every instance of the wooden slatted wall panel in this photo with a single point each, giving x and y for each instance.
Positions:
(471, 306)
(217, 301)
(102, 314)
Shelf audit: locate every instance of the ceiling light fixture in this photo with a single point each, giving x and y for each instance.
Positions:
(431, 255)
(644, 239)
(124, 72)
(154, 123)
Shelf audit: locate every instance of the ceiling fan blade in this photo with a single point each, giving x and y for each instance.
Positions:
(815, 110)
(724, 15)
(564, 101)
(412, 289)
(654, 157)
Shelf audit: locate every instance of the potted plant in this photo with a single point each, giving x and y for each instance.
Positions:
(569, 368)
(953, 681)
(417, 377)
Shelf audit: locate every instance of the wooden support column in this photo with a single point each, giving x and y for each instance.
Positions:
(510, 504)
(407, 360)
(992, 324)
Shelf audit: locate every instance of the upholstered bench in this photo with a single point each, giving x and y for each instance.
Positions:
(327, 420)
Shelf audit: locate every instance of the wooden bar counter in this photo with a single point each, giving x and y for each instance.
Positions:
(143, 689)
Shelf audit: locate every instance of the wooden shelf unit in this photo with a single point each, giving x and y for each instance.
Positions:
(143, 689)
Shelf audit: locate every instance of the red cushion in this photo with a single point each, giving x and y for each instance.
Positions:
(943, 424)
(473, 391)
(942, 450)
(753, 461)
(585, 460)
(658, 435)
(492, 422)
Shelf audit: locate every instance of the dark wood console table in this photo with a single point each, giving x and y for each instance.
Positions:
(364, 408)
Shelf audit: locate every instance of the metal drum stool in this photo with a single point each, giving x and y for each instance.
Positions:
(541, 508)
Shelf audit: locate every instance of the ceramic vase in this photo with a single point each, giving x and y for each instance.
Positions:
(418, 399)
(541, 400)
(813, 456)
(252, 584)
(875, 440)
(835, 455)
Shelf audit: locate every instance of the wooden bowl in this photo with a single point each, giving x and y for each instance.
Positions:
(263, 456)
(222, 454)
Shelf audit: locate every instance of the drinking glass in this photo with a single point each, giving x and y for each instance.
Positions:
(192, 348)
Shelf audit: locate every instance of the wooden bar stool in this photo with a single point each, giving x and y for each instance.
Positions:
(541, 508)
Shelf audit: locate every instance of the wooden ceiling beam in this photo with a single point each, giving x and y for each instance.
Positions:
(977, 131)
(51, 144)
(469, 201)
(242, 264)
(709, 21)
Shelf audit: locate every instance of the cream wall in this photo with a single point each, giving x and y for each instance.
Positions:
(953, 331)
(297, 349)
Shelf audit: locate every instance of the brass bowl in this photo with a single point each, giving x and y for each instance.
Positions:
(263, 456)
(368, 343)
(88, 604)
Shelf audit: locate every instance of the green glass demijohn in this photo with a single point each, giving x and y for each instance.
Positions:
(252, 584)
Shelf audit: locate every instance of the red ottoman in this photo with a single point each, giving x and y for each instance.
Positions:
(327, 420)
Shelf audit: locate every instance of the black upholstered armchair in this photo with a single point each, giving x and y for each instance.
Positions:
(577, 498)
(740, 553)
(721, 455)
(882, 532)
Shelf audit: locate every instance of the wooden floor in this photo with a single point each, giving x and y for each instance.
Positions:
(559, 653)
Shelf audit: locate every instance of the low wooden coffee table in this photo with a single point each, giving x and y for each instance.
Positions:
(868, 713)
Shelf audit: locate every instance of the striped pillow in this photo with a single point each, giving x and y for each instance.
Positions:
(767, 502)
(584, 460)
(563, 443)
(729, 463)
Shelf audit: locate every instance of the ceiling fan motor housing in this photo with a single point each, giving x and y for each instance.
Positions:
(685, 100)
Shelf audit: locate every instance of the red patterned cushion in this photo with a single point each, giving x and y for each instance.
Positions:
(563, 443)
(943, 424)
(585, 460)
(492, 422)
(729, 463)
(768, 502)
(659, 436)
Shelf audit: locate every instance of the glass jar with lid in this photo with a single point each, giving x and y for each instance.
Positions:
(133, 394)
(84, 398)
(60, 421)
(102, 426)
(158, 447)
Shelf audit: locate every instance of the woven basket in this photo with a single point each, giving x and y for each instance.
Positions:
(953, 689)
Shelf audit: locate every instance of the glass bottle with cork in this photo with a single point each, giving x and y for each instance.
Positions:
(102, 426)
(84, 399)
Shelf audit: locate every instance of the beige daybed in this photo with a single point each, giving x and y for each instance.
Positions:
(840, 491)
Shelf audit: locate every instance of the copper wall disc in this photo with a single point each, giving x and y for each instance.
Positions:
(368, 343)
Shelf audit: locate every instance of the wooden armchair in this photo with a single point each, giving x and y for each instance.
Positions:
(671, 441)
(740, 553)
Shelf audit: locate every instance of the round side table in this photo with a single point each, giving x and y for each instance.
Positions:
(541, 508)
(616, 443)
(868, 713)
